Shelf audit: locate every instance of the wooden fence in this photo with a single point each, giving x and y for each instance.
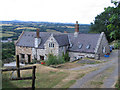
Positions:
(24, 78)
(23, 68)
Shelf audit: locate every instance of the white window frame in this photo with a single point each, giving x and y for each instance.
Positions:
(51, 44)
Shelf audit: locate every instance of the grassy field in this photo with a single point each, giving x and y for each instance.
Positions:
(19, 28)
(6, 34)
(46, 77)
(50, 30)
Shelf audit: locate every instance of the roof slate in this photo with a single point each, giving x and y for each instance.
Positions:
(85, 40)
(27, 39)
(62, 39)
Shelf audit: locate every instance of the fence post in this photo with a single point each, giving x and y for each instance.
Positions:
(33, 78)
(17, 66)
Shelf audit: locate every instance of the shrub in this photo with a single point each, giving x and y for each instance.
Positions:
(66, 56)
(34, 61)
(117, 45)
(61, 60)
(54, 60)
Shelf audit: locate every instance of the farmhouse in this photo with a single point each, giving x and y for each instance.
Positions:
(37, 45)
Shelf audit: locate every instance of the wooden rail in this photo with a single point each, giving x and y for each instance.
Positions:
(22, 68)
(24, 78)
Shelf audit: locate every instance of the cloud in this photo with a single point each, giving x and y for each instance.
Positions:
(52, 10)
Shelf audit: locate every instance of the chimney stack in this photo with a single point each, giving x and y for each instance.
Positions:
(37, 33)
(37, 39)
(76, 27)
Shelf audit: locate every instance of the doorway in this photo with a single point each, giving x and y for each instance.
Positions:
(41, 57)
(29, 58)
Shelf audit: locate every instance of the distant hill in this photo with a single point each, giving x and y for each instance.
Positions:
(13, 29)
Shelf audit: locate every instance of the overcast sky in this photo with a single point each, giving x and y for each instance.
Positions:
(70, 11)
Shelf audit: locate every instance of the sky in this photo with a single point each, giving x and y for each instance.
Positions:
(64, 11)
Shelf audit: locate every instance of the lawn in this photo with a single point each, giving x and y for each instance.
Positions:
(46, 77)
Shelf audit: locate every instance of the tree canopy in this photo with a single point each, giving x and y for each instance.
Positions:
(108, 22)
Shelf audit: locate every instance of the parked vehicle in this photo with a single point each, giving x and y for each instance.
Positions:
(111, 48)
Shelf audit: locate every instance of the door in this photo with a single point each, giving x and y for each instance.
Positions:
(29, 58)
(41, 57)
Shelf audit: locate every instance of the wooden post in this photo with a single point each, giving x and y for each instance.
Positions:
(18, 66)
(33, 78)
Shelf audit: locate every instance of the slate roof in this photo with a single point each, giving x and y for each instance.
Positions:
(62, 39)
(85, 40)
(27, 39)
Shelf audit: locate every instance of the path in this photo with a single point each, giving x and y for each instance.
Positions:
(108, 83)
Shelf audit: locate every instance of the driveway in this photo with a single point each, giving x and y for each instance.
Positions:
(110, 78)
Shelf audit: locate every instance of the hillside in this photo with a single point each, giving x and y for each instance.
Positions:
(13, 29)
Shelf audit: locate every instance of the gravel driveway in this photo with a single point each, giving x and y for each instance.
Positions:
(109, 81)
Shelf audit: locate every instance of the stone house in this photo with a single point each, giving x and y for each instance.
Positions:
(37, 45)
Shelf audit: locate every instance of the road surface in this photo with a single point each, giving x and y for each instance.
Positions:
(109, 81)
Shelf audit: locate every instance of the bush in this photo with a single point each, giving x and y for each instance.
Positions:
(34, 61)
(117, 45)
(66, 57)
(54, 60)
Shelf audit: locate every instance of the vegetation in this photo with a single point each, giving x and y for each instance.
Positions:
(116, 44)
(66, 56)
(54, 60)
(108, 22)
(8, 52)
(13, 29)
(44, 79)
(117, 85)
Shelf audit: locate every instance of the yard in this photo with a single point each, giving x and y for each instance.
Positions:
(47, 77)
(63, 76)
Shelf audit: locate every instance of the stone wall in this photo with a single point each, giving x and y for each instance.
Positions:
(41, 52)
(24, 50)
(62, 50)
(103, 43)
(76, 55)
(54, 50)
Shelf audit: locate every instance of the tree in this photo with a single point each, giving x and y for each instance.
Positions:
(108, 22)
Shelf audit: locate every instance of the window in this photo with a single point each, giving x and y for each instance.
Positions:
(51, 44)
(88, 46)
(41, 57)
(80, 46)
(22, 55)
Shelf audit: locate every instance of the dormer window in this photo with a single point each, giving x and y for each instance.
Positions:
(88, 46)
(51, 44)
(80, 46)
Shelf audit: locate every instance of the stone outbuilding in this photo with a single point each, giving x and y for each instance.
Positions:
(37, 45)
